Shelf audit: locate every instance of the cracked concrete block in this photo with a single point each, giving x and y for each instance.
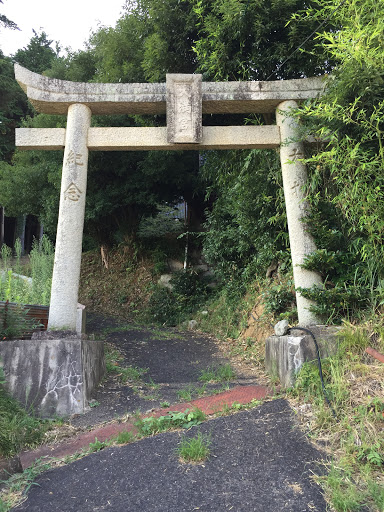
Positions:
(52, 377)
(285, 355)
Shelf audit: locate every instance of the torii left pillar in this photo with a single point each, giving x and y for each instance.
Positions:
(66, 271)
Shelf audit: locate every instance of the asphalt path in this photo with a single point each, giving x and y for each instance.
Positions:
(172, 361)
(259, 461)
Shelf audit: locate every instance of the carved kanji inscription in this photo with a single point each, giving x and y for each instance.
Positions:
(74, 158)
(72, 193)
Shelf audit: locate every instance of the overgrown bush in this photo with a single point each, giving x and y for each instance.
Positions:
(171, 307)
(346, 181)
(18, 429)
(279, 300)
(246, 227)
(354, 384)
(16, 288)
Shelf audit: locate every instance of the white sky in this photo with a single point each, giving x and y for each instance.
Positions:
(67, 21)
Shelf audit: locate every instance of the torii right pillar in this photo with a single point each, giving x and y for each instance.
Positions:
(294, 179)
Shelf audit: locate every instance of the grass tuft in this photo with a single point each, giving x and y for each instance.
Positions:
(123, 374)
(194, 449)
(222, 373)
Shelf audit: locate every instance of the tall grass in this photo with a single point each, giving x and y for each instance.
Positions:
(18, 429)
(355, 385)
(15, 288)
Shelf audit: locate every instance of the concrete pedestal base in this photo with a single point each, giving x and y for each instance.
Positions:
(53, 377)
(285, 355)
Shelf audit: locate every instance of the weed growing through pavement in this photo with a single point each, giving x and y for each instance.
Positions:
(122, 328)
(186, 419)
(124, 374)
(222, 373)
(124, 438)
(98, 445)
(194, 449)
(162, 334)
(153, 332)
(151, 384)
(16, 487)
(191, 392)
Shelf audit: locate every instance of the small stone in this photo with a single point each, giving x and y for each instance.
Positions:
(192, 325)
(281, 328)
(175, 265)
(204, 313)
(165, 281)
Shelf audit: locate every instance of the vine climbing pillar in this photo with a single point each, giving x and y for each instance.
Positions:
(294, 179)
(66, 271)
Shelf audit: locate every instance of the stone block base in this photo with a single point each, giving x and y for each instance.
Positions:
(285, 355)
(52, 377)
(8, 467)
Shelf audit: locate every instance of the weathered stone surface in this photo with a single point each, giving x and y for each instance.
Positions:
(281, 328)
(184, 108)
(285, 355)
(53, 377)
(40, 138)
(152, 139)
(175, 265)
(53, 96)
(9, 466)
(192, 325)
(81, 319)
(66, 270)
(294, 179)
(214, 137)
(165, 281)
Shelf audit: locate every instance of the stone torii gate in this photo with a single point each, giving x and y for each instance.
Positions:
(184, 98)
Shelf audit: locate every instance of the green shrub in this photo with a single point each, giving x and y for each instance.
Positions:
(170, 307)
(17, 289)
(280, 300)
(163, 307)
(14, 322)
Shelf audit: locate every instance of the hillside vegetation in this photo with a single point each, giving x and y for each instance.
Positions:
(235, 218)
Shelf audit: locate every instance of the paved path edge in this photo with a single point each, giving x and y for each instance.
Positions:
(209, 405)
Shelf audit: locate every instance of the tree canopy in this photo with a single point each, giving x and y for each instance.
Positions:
(224, 40)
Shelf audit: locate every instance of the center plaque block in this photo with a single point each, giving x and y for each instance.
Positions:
(184, 109)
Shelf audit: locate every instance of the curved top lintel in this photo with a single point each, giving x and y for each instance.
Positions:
(53, 96)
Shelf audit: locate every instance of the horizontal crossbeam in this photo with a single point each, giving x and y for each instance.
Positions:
(145, 139)
(53, 96)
